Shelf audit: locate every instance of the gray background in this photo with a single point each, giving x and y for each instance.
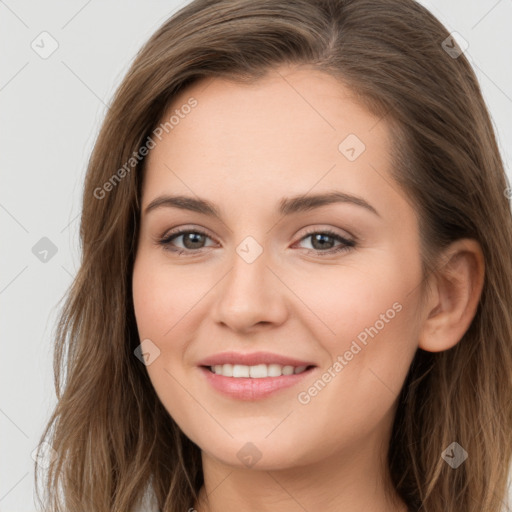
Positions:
(51, 110)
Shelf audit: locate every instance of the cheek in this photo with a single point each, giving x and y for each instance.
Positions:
(360, 301)
(170, 302)
(159, 303)
(367, 315)
(162, 295)
(370, 334)
(162, 298)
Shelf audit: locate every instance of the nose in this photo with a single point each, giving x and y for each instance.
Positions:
(251, 295)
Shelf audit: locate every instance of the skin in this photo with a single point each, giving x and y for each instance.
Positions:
(244, 148)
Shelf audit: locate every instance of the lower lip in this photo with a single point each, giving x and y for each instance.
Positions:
(245, 388)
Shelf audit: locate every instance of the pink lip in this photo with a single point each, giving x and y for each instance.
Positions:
(246, 388)
(252, 359)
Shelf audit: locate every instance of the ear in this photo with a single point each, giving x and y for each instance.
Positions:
(454, 294)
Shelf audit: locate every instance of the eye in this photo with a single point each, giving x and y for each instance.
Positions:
(193, 240)
(322, 245)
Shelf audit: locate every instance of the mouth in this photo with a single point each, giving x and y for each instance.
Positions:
(251, 383)
(258, 371)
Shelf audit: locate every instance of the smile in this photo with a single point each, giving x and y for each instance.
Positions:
(258, 371)
(241, 385)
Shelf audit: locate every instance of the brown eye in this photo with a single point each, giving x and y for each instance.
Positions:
(322, 242)
(192, 240)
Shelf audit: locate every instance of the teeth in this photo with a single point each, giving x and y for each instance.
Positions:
(258, 371)
(240, 370)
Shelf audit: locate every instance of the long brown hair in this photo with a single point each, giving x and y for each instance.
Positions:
(111, 434)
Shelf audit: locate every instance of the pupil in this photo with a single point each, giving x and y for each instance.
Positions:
(321, 239)
(190, 238)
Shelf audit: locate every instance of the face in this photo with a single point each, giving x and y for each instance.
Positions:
(328, 281)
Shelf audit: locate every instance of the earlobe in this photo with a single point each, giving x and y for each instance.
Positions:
(456, 290)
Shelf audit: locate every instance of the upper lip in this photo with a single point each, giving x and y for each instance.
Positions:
(252, 359)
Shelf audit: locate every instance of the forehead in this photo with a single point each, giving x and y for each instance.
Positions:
(288, 108)
(292, 131)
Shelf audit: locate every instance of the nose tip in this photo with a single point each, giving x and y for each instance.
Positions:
(249, 295)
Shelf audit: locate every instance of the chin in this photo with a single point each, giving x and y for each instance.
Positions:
(256, 452)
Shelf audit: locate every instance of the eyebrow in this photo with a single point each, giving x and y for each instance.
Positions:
(287, 206)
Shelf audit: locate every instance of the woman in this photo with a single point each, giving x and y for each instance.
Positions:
(213, 359)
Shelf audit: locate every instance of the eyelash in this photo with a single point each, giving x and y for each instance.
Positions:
(346, 245)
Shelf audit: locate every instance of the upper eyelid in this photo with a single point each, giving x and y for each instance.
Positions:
(182, 230)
